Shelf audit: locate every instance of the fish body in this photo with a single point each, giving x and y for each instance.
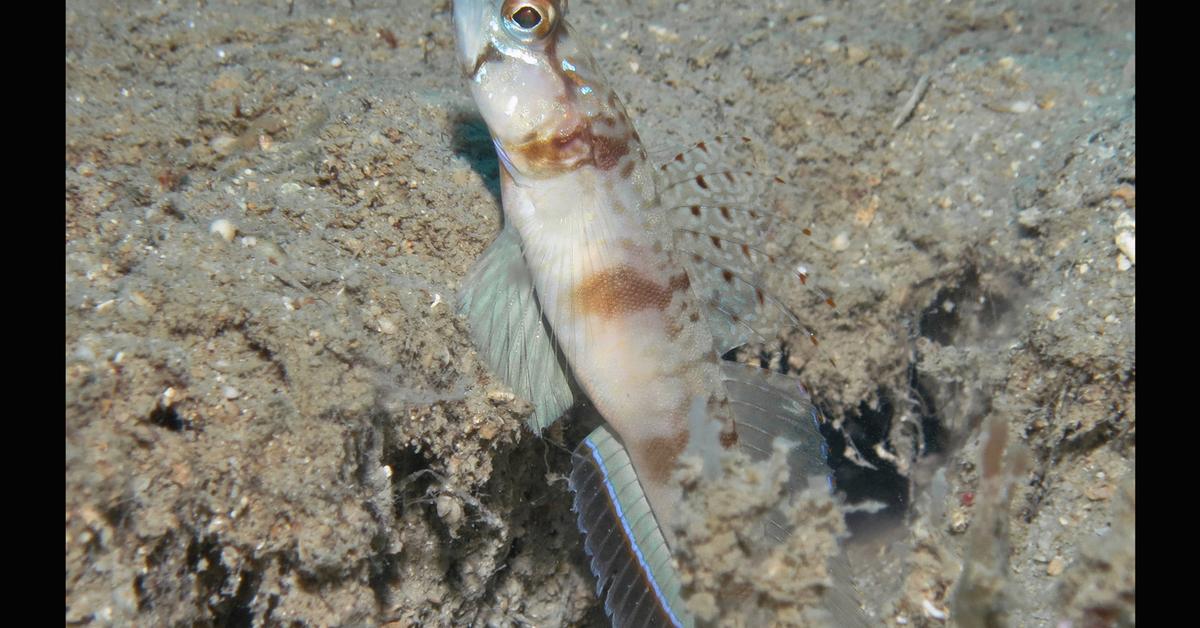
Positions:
(580, 191)
(614, 280)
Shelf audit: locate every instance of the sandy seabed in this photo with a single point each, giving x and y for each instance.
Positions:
(290, 425)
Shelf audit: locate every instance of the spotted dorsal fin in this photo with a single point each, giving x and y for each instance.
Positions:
(720, 207)
(510, 332)
(629, 554)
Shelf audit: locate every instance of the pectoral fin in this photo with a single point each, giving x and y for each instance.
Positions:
(509, 332)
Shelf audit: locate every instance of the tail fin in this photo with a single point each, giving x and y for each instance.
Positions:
(629, 554)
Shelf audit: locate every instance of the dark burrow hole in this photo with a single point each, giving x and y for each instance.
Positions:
(964, 308)
(168, 418)
(228, 610)
(412, 479)
(884, 483)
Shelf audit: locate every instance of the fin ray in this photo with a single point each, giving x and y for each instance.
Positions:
(632, 561)
(507, 326)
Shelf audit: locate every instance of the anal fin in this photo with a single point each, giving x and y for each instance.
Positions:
(629, 554)
(510, 333)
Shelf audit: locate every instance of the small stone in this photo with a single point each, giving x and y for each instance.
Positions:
(140, 300)
(1126, 193)
(1123, 263)
(857, 54)
(1006, 63)
(229, 392)
(1100, 492)
(841, 242)
(386, 326)
(223, 228)
(1030, 218)
(223, 144)
(335, 62)
(500, 396)
(1056, 566)
(1021, 106)
(959, 522)
(449, 509)
(662, 33)
(866, 213)
(1125, 242)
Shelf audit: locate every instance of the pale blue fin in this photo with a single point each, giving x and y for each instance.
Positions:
(767, 406)
(509, 332)
(770, 406)
(629, 555)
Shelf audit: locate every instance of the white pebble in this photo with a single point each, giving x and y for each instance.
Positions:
(933, 611)
(841, 242)
(223, 144)
(1125, 242)
(223, 228)
(386, 326)
(1021, 106)
(229, 392)
(336, 62)
(1123, 263)
(1030, 217)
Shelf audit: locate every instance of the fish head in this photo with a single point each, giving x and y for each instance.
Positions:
(546, 105)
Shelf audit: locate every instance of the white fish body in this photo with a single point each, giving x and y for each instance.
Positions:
(609, 274)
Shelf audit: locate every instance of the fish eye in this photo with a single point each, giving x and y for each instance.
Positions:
(529, 19)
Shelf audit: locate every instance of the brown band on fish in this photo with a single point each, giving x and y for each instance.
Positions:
(623, 290)
(661, 455)
(568, 151)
